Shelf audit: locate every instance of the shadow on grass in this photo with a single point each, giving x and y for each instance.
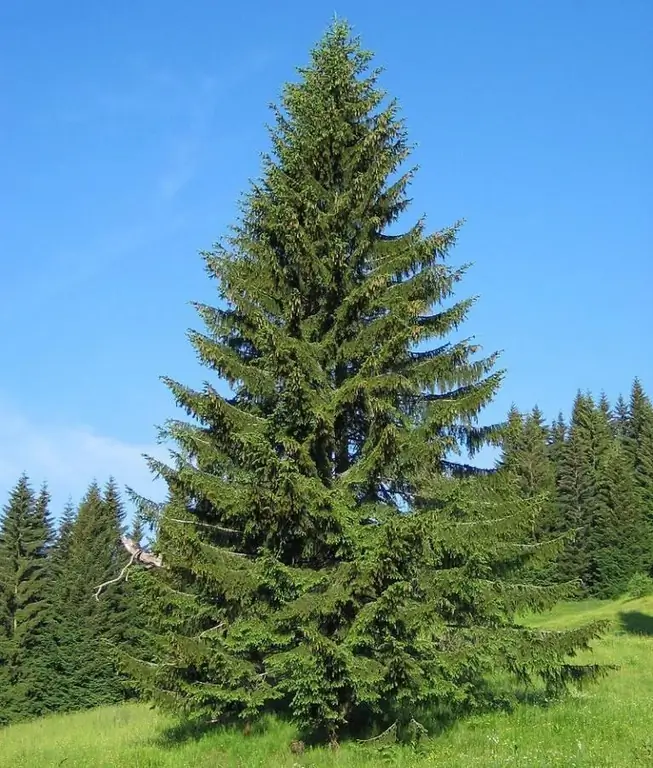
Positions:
(191, 730)
(184, 731)
(636, 623)
(429, 723)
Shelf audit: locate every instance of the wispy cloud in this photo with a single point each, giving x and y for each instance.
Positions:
(69, 458)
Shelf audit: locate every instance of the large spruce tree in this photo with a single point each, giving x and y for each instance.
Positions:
(320, 558)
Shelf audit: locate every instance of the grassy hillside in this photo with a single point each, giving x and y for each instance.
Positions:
(610, 724)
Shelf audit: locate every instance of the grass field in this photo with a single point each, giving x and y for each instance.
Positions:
(609, 724)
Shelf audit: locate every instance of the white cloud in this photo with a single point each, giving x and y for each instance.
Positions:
(69, 458)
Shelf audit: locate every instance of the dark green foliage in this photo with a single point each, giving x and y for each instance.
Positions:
(61, 548)
(639, 446)
(602, 505)
(620, 418)
(605, 408)
(136, 638)
(88, 553)
(600, 465)
(526, 454)
(640, 585)
(57, 642)
(622, 539)
(320, 559)
(25, 616)
(575, 493)
(597, 498)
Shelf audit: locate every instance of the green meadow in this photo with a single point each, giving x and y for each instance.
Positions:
(609, 723)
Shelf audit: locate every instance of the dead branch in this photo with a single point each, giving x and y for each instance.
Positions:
(211, 629)
(119, 578)
(389, 734)
(141, 556)
(137, 555)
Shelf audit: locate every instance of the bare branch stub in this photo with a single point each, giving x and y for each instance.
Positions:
(141, 556)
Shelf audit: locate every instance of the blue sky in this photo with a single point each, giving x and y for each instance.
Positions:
(128, 130)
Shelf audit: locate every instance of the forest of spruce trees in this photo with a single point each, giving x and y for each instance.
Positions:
(57, 641)
(326, 552)
(595, 475)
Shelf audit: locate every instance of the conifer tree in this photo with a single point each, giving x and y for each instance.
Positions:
(529, 457)
(13, 522)
(622, 542)
(639, 446)
(557, 437)
(605, 408)
(576, 492)
(138, 529)
(61, 546)
(620, 418)
(512, 440)
(65, 625)
(597, 497)
(319, 558)
(88, 628)
(526, 454)
(125, 612)
(114, 609)
(599, 514)
(25, 610)
(36, 669)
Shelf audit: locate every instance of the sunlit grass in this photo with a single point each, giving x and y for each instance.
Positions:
(608, 724)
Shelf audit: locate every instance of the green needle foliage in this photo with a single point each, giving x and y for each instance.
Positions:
(622, 537)
(620, 419)
(87, 554)
(578, 491)
(597, 499)
(25, 617)
(639, 446)
(527, 455)
(618, 528)
(324, 556)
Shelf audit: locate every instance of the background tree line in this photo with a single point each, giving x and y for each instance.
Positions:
(595, 474)
(56, 640)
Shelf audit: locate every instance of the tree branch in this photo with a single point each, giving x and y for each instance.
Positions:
(137, 555)
(119, 578)
(141, 556)
(204, 525)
